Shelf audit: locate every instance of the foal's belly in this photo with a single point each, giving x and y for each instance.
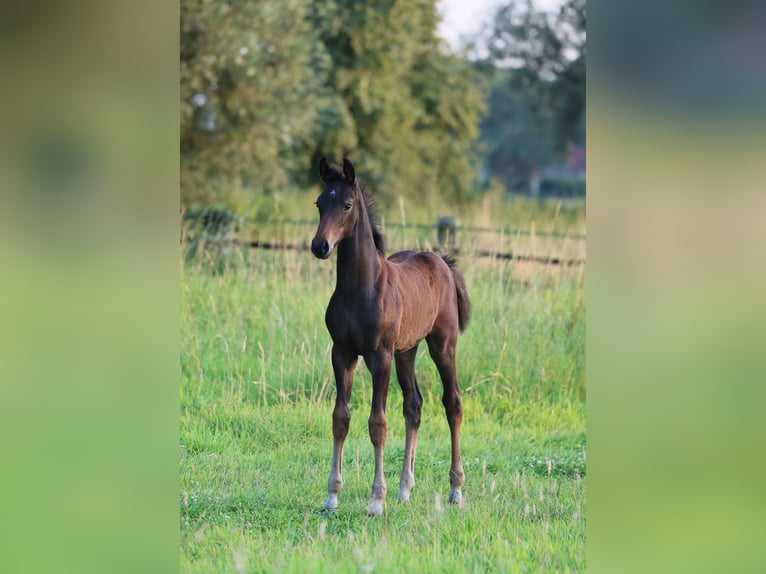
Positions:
(388, 322)
(417, 320)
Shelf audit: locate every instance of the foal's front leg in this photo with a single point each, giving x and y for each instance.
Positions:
(379, 364)
(411, 407)
(343, 364)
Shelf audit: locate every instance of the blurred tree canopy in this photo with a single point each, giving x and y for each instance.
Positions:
(269, 86)
(534, 62)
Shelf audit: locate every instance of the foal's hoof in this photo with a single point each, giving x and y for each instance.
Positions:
(455, 496)
(375, 508)
(331, 504)
(405, 488)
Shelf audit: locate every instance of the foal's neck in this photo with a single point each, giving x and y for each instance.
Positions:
(358, 259)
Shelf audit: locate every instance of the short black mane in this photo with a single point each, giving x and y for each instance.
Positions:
(374, 216)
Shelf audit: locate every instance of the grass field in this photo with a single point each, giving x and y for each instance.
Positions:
(256, 400)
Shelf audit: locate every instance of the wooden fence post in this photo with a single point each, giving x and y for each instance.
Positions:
(445, 233)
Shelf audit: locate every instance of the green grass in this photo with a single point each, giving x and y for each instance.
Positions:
(256, 401)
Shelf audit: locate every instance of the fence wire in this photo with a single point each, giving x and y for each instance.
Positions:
(442, 237)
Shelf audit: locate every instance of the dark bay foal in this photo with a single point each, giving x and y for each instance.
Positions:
(381, 310)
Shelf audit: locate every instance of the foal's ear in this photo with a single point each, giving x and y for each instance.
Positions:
(348, 171)
(323, 167)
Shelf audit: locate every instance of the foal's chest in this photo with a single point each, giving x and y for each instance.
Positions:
(360, 325)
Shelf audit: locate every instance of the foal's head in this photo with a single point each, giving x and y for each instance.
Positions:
(339, 206)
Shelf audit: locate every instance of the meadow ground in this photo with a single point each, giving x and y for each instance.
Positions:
(256, 400)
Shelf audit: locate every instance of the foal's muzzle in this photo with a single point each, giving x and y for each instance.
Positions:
(320, 248)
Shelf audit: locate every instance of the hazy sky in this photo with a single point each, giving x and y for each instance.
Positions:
(463, 17)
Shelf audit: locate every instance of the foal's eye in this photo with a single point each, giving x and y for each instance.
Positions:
(347, 206)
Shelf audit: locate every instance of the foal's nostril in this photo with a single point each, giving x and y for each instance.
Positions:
(320, 248)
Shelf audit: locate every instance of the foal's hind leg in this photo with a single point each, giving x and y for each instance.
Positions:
(412, 403)
(343, 365)
(442, 349)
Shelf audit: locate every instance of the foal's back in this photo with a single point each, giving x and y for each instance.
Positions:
(427, 295)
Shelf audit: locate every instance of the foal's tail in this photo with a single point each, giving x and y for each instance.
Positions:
(463, 302)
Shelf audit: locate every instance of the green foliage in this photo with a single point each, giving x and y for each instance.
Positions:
(269, 87)
(246, 77)
(562, 187)
(414, 107)
(208, 233)
(210, 221)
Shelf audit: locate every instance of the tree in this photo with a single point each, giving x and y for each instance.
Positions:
(270, 86)
(247, 86)
(536, 65)
(410, 108)
(519, 135)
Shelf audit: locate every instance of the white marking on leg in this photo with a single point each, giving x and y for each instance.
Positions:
(456, 478)
(378, 497)
(407, 480)
(335, 482)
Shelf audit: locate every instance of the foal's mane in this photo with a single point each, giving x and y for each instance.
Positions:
(335, 172)
(374, 217)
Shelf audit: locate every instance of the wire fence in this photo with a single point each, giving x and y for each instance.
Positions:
(544, 259)
(428, 226)
(548, 247)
